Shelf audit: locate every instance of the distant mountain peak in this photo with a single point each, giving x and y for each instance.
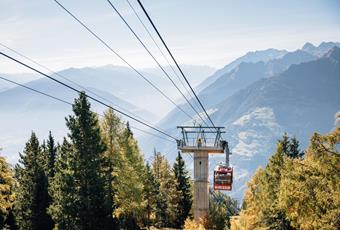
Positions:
(308, 46)
(333, 54)
(320, 50)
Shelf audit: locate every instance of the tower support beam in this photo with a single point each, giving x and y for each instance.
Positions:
(201, 184)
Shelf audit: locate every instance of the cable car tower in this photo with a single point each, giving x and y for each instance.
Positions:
(202, 141)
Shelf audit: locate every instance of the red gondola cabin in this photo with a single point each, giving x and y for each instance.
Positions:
(223, 178)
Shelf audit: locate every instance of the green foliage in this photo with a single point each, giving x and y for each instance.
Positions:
(7, 196)
(111, 130)
(50, 153)
(130, 182)
(167, 200)
(310, 191)
(296, 193)
(290, 146)
(78, 189)
(221, 208)
(184, 193)
(32, 195)
(97, 179)
(151, 192)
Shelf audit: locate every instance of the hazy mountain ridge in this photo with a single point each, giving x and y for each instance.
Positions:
(280, 59)
(250, 57)
(300, 100)
(23, 110)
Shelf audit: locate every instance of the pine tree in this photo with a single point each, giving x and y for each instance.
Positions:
(47, 161)
(221, 208)
(184, 191)
(274, 217)
(51, 155)
(294, 151)
(151, 191)
(285, 143)
(80, 186)
(310, 190)
(130, 181)
(111, 131)
(7, 195)
(295, 192)
(167, 199)
(31, 203)
(64, 191)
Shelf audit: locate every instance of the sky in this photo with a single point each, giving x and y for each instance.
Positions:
(198, 32)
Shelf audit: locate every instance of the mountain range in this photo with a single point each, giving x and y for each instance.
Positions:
(23, 110)
(297, 92)
(257, 97)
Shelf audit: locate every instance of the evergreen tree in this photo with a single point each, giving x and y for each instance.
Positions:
(111, 130)
(309, 192)
(64, 191)
(47, 159)
(151, 191)
(79, 186)
(285, 143)
(51, 155)
(290, 147)
(273, 216)
(130, 181)
(294, 151)
(294, 192)
(221, 208)
(31, 203)
(7, 195)
(167, 202)
(184, 191)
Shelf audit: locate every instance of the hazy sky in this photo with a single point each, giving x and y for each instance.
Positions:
(198, 32)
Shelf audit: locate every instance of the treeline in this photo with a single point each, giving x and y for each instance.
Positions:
(296, 190)
(95, 179)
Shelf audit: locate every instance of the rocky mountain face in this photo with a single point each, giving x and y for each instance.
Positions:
(250, 57)
(257, 102)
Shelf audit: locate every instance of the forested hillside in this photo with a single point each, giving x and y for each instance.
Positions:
(97, 178)
(297, 189)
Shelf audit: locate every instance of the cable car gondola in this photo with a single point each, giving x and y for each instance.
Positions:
(223, 177)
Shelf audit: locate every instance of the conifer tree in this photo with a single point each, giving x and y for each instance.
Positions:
(130, 181)
(31, 202)
(294, 192)
(273, 216)
(7, 195)
(183, 190)
(316, 178)
(285, 143)
(294, 151)
(51, 155)
(167, 199)
(151, 191)
(78, 188)
(221, 208)
(111, 131)
(64, 191)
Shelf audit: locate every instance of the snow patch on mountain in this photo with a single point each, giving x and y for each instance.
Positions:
(263, 116)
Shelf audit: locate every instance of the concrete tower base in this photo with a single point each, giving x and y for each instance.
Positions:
(201, 184)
